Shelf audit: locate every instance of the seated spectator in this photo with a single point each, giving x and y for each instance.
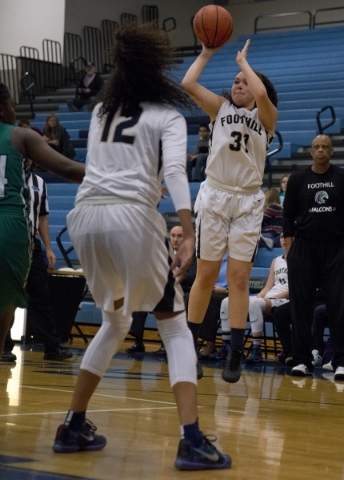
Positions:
(274, 294)
(87, 89)
(57, 137)
(196, 162)
(283, 188)
(272, 220)
(137, 330)
(209, 326)
(25, 123)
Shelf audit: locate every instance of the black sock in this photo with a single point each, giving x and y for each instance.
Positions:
(237, 338)
(194, 327)
(139, 341)
(192, 433)
(75, 420)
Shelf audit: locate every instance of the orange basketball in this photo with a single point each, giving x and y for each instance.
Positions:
(213, 25)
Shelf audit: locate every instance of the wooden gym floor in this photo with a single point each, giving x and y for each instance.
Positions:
(273, 425)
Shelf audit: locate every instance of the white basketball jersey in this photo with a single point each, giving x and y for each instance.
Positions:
(115, 171)
(237, 150)
(281, 277)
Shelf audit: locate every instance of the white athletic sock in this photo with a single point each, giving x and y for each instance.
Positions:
(107, 341)
(180, 350)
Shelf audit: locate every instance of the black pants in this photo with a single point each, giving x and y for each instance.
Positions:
(311, 265)
(282, 323)
(40, 317)
(138, 325)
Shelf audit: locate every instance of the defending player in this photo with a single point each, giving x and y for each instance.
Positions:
(230, 203)
(136, 139)
(16, 146)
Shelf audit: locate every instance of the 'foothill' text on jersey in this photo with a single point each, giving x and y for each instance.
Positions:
(314, 205)
(240, 142)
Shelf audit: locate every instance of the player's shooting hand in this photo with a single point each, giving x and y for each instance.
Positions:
(242, 55)
(183, 258)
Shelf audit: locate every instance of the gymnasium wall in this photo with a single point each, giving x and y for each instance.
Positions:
(83, 12)
(28, 22)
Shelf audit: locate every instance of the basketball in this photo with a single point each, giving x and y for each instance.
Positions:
(213, 25)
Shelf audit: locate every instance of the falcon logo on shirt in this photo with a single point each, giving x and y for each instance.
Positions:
(321, 197)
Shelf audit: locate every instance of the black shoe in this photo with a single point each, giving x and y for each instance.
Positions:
(8, 357)
(204, 457)
(59, 353)
(160, 353)
(232, 371)
(199, 370)
(69, 441)
(135, 349)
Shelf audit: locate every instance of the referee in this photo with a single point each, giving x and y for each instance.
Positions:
(313, 226)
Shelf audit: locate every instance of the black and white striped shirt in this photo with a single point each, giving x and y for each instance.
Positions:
(39, 201)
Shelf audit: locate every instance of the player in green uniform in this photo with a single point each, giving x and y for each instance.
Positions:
(16, 146)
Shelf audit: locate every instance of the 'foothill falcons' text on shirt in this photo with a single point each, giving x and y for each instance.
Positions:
(240, 141)
(314, 205)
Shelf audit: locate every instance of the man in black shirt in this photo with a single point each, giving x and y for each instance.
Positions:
(313, 226)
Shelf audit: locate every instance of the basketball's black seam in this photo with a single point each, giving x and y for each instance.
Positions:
(217, 23)
(203, 27)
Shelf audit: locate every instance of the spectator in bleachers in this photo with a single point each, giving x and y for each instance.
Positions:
(16, 145)
(197, 161)
(25, 123)
(87, 89)
(272, 223)
(274, 294)
(313, 228)
(57, 136)
(283, 188)
(230, 204)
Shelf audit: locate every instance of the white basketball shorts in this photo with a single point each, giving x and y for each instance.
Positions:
(124, 252)
(227, 222)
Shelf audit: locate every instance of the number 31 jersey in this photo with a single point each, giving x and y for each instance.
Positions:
(237, 150)
(128, 153)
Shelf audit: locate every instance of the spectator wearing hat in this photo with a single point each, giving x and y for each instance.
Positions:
(87, 89)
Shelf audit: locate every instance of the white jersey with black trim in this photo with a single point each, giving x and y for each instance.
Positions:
(280, 277)
(130, 153)
(237, 150)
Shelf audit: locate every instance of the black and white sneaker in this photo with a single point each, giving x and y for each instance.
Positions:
(204, 457)
(339, 373)
(301, 370)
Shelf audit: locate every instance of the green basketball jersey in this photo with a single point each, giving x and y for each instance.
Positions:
(14, 175)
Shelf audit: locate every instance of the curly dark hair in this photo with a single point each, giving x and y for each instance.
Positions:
(270, 89)
(141, 58)
(4, 94)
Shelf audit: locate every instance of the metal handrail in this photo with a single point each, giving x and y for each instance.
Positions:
(27, 90)
(268, 165)
(75, 72)
(309, 24)
(319, 112)
(173, 26)
(326, 10)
